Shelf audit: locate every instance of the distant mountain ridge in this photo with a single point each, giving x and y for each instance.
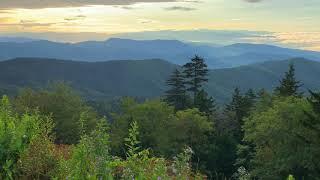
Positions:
(173, 51)
(146, 78)
(16, 39)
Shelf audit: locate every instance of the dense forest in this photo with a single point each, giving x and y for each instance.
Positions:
(54, 133)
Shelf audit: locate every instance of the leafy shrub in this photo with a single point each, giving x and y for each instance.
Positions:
(64, 105)
(138, 163)
(90, 158)
(16, 135)
(38, 160)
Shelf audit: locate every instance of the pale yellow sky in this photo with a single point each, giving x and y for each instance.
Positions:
(293, 21)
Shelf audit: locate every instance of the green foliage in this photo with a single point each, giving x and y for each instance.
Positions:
(181, 164)
(161, 129)
(258, 136)
(132, 142)
(237, 110)
(90, 158)
(289, 86)
(38, 160)
(191, 80)
(282, 145)
(65, 107)
(290, 177)
(205, 103)
(242, 174)
(177, 96)
(138, 163)
(313, 121)
(153, 117)
(190, 128)
(195, 75)
(16, 133)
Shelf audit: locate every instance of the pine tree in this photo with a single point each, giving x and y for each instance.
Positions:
(205, 103)
(196, 73)
(176, 95)
(236, 101)
(313, 122)
(250, 98)
(236, 111)
(289, 86)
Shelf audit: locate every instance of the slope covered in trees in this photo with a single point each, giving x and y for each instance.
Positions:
(146, 78)
(52, 133)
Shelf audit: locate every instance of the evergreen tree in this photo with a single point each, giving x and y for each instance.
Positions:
(176, 95)
(289, 86)
(251, 96)
(312, 124)
(195, 73)
(313, 121)
(237, 110)
(236, 104)
(245, 149)
(205, 103)
(249, 100)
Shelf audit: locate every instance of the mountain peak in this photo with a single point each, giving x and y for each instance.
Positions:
(115, 39)
(251, 45)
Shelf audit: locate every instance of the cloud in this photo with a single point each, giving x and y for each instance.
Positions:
(75, 18)
(5, 11)
(146, 21)
(59, 37)
(126, 7)
(6, 22)
(191, 1)
(28, 23)
(253, 1)
(180, 8)
(37, 4)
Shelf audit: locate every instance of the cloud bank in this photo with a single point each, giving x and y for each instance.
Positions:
(37, 4)
(180, 8)
(253, 1)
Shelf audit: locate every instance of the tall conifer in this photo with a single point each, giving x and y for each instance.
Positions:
(196, 73)
(289, 86)
(176, 95)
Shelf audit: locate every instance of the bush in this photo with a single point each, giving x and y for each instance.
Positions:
(19, 138)
(38, 160)
(64, 105)
(91, 160)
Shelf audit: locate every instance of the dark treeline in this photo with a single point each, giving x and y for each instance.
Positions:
(54, 133)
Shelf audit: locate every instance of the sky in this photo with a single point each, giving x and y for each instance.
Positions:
(292, 23)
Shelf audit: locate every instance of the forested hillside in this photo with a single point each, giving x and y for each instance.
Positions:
(145, 78)
(159, 90)
(54, 133)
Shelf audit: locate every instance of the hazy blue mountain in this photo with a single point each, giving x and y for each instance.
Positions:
(114, 48)
(146, 78)
(244, 54)
(16, 39)
(173, 51)
(264, 75)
